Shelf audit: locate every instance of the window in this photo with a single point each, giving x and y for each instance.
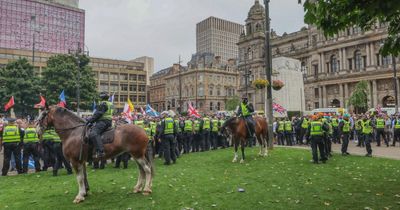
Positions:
(211, 91)
(132, 77)
(133, 98)
(218, 91)
(133, 88)
(124, 87)
(103, 87)
(334, 64)
(316, 105)
(142, 88)
(103, 76)
(113, 87)
(350, 62)
(378, 62)
(386, 61)
(218, 106)
(358, 61)
(114, 76)
(123, 76)
(316, 92)
(211, 106)
(142, 78)
(123, 98)
(315, 70)
(200, 91)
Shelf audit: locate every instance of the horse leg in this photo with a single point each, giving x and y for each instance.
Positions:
(236, 149)
(80, 177)
(85, 179)
(242, 147)
(259, 139)
(138, 187)
(146, 168)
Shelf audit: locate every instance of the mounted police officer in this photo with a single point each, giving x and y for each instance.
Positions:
(102, 120)
(245, 111)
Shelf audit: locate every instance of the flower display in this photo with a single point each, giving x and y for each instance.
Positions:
(277, 84)
(260, 83)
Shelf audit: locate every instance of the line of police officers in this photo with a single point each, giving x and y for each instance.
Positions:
(19, 142)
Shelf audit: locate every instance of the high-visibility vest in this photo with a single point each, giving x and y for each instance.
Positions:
(358, 125)
(31, 136)
(304, 124)
(367, 128)
(140, 123)
(397, 124)
(11, 134)
(288, 125)
(245, 111)
(148, 132)
(346, 126)
(335, 122)
(214, 125)
(153, 127)
(380, 123)
(330, 130)
(281, 126)
(316, 128)
(51, 135)
(207, 123)
(109, 113)
(188, 126)
(169, 126)
(196, 125)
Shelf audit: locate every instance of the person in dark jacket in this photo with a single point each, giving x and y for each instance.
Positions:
(245, 110)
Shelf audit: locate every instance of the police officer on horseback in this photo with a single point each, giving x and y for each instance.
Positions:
(245, 110)
(102, 120)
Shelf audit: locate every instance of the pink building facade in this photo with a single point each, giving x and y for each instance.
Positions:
(52, 27)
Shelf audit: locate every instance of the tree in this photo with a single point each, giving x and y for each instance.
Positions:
(232, 103)
(337, 15)
(18, 79)
(62, 74)
(359, 98)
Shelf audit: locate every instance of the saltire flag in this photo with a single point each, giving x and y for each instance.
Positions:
(142, 111)
(192, 111)
(41, 104)
(131, 106)
(278, 108)
(127, 111)
(62, 102)
(9, 104)
(111, 99)
(150, 111)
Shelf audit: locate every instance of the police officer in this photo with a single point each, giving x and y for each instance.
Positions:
(51, 136)
(396, 130)
(206, 124)
(12, 142)
(358, 128)
(315, 133)
(335, 126)
(188, 135)
(281, 132)
(222, 138)
(168, 134)
(367, 131)
(303, 130)
(31, 144)
(197, 137)
(214, 133)
(288, 132)
(245, 110)
(380, 131)
(103, 120)
(345, 129)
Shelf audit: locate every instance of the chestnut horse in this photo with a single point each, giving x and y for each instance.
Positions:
(127, 138)
(238, 129)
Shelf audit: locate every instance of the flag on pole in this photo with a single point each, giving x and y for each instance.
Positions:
(9, 104)
(127, 112)
(131, 106)
(150, 111)
(111, 99)
(278, 108)
(142, 111)
(62, 102)
(192, 111)
(41, 104)
(94, 106)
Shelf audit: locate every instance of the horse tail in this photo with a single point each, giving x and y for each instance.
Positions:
(149, 156)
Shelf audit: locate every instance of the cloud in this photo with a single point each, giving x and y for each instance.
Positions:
(165, 29)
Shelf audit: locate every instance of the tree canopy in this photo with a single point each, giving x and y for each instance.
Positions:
(333, 16)
(359, 98)
(18, 79)
(232, 103)
(62, 74)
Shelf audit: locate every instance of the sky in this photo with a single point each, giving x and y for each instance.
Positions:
(165, 29)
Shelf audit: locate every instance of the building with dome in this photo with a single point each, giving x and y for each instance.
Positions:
(331, 66)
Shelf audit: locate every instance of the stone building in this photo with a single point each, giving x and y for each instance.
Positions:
(125, 79)
(207, 82)
(332, 66)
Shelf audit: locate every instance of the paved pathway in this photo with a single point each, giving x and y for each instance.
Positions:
(382, 151)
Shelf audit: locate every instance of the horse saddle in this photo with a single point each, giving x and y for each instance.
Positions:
(107, 137)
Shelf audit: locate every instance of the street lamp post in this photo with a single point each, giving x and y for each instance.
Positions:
(268, 73)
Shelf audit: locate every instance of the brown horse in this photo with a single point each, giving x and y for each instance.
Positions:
(239, 131)
(127, 138)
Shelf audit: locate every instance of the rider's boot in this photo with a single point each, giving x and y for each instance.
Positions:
(100, 148)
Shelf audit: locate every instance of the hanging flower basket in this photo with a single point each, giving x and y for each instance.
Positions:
(260, 83)
(277, 84)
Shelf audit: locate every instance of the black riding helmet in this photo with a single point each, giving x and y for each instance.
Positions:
(104, 96)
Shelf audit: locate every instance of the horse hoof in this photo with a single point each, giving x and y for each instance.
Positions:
(137, 190)
(79, 199)
(147, 192)
(234, 161)
(242, 161)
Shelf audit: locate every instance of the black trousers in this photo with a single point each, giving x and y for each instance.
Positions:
(187, 142)
(360, 138)
(345, 143)
(168, 144)
(9, 149)
(214, 140)
(336, 137)
(96, 131)
(124, 157)
(289, 138)
(327, 144)
(381, 132)
(317, 143)
(299, 137)
(396, 136)
(281, 138)
(205, 145)
(31, 149)
(367, 141)
(197, 139)
(60, 159)
(48, 155)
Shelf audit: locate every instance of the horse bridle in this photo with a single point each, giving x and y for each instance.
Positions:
(44, 115)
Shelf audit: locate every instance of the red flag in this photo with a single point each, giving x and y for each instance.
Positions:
(61, 104)
(192, 111)
(41, 104)
(9, 104)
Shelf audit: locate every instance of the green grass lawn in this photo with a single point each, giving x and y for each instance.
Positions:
(284, 180)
